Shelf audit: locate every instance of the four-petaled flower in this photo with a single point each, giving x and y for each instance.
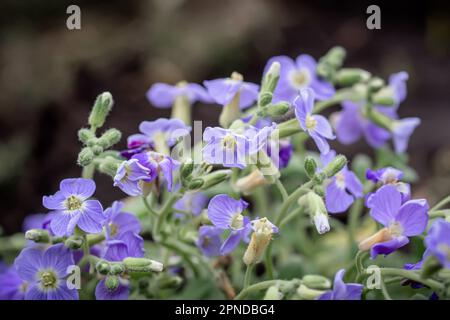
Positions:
(46, 272)
(72, 208)
(342, 290)
(163, 95)
(316, 126)
(400, 220)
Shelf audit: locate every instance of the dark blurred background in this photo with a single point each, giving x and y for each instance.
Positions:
(50, 76)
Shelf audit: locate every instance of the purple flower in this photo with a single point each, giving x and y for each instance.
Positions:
(343, 188)
(397, 82)
(209, 240)
(158, 163)
(438, 242)
(351, 124)
(226, 213)
(45, 272)
(342, 290)
(401, 132)
(401, 220)
(297, 75)
(120, 293)
(130, 175)
(12, 286)
(34, 221)
(71, 207)
(163, 95)
(166, 130)
(316, 126)
(225, 147)
(193, 202)
(119, 222)
(389, 176)
(222, 91)
(285, 151)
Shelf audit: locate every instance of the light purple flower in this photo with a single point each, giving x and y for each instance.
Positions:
(168, 130)
(343, 188)
(285, 151)
(118, 222)
(391, 176)
(158, 163)
(45, 272)
(193, 202)
(225, 147)
(397, 82)
(130, 175)
(351, 125)
(209, 240)
(342, 290)
(12, 286)
(163, 95)
(438, 242)
(71, 207)
(226, 213)
(401, 220)
(316, 126)
(222, 91)
(297, 75)
(120, 293)
(402, 131)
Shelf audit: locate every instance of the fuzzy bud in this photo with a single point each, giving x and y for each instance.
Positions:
(85, 157)
(336, 165)
(186, 168)
(103, 267)
(316, 282)
(112, 283)
(271, 78)
(273, 293)
(84, 135)
(74, 242)
(101, 109)
(117, 268)
(37, 235)
(109, 138)
(265, 98)
(375, 84)
(350, 76)
(109, 166)
(142, 265)
(278, 109)
(310, 167)
(384, 97)
(210, 180)
(313, 205)
(306, 293)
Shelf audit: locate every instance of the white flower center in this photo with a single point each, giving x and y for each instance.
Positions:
(263, 227)
(395, 229)
(310, 122)
(237, 221)
(229, 142)
(300, 78)
(340, 180)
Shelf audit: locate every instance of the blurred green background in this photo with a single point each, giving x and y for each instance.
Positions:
(50, 76)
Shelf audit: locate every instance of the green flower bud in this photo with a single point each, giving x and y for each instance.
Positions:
(319, 190)
(212, 179)
(117, 268)
(314, 206)
(92, 142)
(101, 109)
(85, 157)
(350, 76)
(384, 97)
(279, 109)
(112, 282)
(109, 166)
(109, 138)
(84, 135)
(167, 282)
(265, 98)
(430, 266)
(273, 293)
(310, 167)
(186, 168)
(271, 78)
(196, 184)
(74, 242)
(142, 265)
(103, 267)
(37, 235)
(316, 282)
(375, 84)
(335, 57)
(336, 165)
(306, 293)
(96, 150)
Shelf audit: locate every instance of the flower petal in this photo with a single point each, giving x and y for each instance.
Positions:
(413, 216)
(388, 246)
(59, 258)
(384, 204)
(222, 208)
(103, 293)
(323, 127)
(336, 199)
(28, 263)
(161, 95)
(84, 188)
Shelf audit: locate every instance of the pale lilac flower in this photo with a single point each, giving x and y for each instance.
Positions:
(397, 82)
(119, 222)
(163, 95)
(72, 208)
(12, 286)
(222, 91)
(342, 290)
(401, 220)
(167, 130)
(316, 126)
(209, 240)
(193, 202)
(46, 272)
(402, 131)
(438, 241)
(343, 188)
(389, 176)
(130, 175)
(226, 213)
(297, 75)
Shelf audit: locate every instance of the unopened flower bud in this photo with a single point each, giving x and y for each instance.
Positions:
(142, 265)
(74, 242)
(101, 109)
(306, 293)
(375, 84)
(109, 138)
(96, 150)
(273, 293)
(186, 168)
(350, 76)
(313, 205)
(310, 167)
(316, 282)
(265, 98)
(250, 182)
(103, 267)
(112, 282)
(168, 281)
(211, 179)
(37, 235)
(195, 184)
(278, 109)
(271, 78)
(384, 97)
(335, 57)
(109, 166)
(85, 157)
(336, 165)
(263, 231)
(85, 135)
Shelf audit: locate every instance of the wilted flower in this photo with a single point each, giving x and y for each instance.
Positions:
(401, 220)
(45, 272)
(297, 75)
(263, 231)
(72, 207)
(342, 290)
(316, 126)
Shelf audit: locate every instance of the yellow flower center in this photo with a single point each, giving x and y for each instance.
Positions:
(114, 229)
(48, 279)
(229, 142)
(73, 203)
(310, 122)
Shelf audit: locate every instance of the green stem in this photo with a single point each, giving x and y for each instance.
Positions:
(268, 261)
(385, 291)
(258, 287)
(412, 275)
(281, 188)
(248, 276)
(291, 199)
(439, 213)
(148, 206)
(165, 211)
(441, 203)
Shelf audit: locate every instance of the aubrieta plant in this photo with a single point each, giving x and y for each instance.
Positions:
(246, 210)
